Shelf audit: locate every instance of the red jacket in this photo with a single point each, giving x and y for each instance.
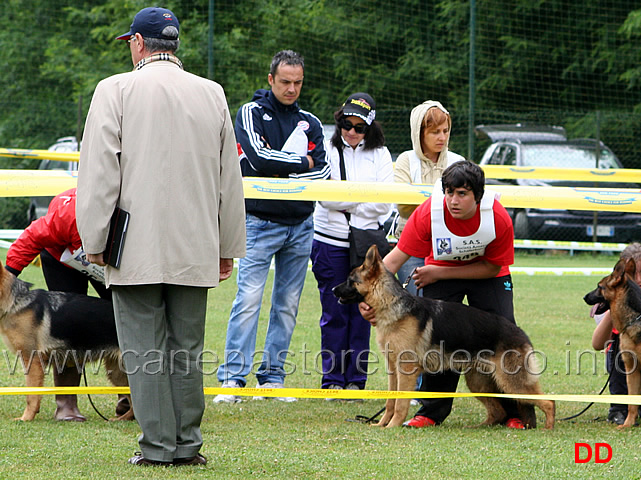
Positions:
(54, 232)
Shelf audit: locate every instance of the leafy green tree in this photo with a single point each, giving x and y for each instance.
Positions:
(548, 61)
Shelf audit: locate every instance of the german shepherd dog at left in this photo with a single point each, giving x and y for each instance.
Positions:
(418, 334)
(619, 293)
(50, 329)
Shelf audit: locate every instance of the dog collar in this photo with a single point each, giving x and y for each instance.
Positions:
(633, 321)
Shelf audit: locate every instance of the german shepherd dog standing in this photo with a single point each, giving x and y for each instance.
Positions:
(418, 334)
(619, 293)
(46, 329)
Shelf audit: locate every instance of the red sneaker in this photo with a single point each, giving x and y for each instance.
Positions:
(420, 422)
(515, 423)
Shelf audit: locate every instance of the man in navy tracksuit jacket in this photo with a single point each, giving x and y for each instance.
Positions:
(276, 139)
(262, 128)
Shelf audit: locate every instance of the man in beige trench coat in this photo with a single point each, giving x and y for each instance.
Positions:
(159, 142)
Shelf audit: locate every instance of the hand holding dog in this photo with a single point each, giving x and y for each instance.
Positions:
(424, 276)
(368, 313)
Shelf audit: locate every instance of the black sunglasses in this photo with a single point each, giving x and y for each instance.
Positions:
(347, 125)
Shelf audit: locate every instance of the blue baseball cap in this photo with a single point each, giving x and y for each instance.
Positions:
(150, 22)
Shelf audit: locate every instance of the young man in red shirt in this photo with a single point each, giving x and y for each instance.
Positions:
(467, 240)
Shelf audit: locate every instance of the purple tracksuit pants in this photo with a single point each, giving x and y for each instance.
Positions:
(344, 333)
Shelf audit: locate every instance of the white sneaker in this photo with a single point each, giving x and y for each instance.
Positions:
(274, 385)
(353, 386)
(221, 398)
(333, 387)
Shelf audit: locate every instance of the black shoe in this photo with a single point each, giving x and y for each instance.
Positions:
(138, 459)
(617, 417)
(197, 460)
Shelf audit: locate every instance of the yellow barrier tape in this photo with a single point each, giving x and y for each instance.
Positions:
(26, 183)
(584, 272)
(61, 390)
(491, 171)
(40, 154)
(551, 173)
(602, 199)
(569, 245)
(36, 183)
(328, 393)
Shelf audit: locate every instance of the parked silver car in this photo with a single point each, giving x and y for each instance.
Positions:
(547, 146)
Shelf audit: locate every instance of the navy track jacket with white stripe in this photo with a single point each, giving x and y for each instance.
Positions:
(262, 128)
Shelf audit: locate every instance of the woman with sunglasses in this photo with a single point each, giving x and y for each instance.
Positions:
(430, 126)
(359, 144)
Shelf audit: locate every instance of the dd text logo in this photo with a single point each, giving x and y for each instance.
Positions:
(583, 452)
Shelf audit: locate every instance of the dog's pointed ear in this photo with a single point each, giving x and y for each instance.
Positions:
(372, 257)
(619, 268)
(618, 274)
(630, 267)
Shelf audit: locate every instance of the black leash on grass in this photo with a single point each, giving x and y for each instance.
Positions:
(589, 405)
(84, 374)
(372, 419)
(365, 418)
(614, 345)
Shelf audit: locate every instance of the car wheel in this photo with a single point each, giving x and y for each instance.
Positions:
(521, 225)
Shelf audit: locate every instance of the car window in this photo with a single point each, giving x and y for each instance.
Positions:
(503, 155)
(497, 156)
(567, 156)
(510, 156)
(56, 165)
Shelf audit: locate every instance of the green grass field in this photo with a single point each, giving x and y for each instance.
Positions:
(310, 439)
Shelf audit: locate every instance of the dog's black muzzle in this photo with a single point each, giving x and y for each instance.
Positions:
(347, 294)
(596, 298)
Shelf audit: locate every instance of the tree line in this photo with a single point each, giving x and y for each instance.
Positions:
(552, 61)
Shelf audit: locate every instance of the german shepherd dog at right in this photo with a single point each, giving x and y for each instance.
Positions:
(418, 334)
(619, 293)
(46, 329)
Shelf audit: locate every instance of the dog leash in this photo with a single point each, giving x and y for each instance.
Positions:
(591, 403)
(409, 279)
(614, 345)
(365, 418)
(84, 374)
(372, 419)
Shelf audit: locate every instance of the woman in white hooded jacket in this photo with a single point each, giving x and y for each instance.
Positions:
(345, 335)
(430, 126)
